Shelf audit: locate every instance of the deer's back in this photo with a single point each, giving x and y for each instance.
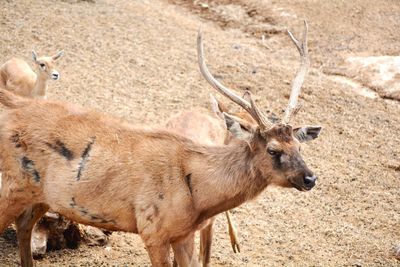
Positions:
(93, 168)
(198, 126)
(17, 76)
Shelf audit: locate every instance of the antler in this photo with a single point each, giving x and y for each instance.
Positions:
(251, 107)
(301, 74)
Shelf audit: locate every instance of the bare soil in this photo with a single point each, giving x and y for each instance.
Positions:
(137, 60)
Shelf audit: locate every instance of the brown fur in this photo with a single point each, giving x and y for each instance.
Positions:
(204, 129)
(18, 77)
(125, 172)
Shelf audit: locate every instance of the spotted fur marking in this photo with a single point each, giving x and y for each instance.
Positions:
(92, 217)
(61, 149)
(29, 167)
(84, 158)
(16, 140)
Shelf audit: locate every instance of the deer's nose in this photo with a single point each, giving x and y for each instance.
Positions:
(55, 75)
(309, 181)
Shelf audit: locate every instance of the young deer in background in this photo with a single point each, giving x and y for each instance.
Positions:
(18, 77)
(96, 170)
(208, 130)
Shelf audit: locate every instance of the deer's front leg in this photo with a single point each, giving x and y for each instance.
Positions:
(159, 255)
(25, 223)
(184, 251)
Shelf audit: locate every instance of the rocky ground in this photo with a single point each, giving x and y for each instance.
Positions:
(137, 60)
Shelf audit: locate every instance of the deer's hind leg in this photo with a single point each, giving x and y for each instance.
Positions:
(8, 213)
(25, 223)
(11, 205)
(232, 233)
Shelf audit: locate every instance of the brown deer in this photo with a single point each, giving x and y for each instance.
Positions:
(97, 170)
(242, 124)
(18, 77)
(205, 129)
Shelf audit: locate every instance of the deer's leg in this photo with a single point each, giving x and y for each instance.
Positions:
(13, 200)
(159, 255)
(25, 223)
(232, 233)
(9, 211)
(184, 251)
(206, 235)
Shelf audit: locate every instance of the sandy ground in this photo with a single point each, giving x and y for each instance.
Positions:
(137, 60)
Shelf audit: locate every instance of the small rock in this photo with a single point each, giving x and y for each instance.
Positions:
(396, 252)
(94, 236)
(204, 5)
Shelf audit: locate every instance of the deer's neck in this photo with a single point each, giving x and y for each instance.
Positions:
(39, 89)
(223, 178)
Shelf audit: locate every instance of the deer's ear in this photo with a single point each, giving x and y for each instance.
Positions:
(215, 106)
(233, 125)
(34, 56)
(58, 55)
(307, 133)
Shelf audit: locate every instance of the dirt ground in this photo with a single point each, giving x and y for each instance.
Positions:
(137, 60)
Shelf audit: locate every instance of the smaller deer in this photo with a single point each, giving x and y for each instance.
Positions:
(18, 77)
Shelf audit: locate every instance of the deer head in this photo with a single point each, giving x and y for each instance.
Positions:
(46, 65)
(275, 146)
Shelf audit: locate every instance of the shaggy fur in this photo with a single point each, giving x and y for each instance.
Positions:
(130, 179)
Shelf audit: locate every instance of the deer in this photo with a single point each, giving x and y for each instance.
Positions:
(202, 128)
(206, 129)
(17, 76)
(98, 170)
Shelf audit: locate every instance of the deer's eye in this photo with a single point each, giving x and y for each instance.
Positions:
(42, 65)
(243, 128)
(273, 152)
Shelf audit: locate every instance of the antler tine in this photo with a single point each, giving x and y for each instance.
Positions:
(301, 73)
(251, 108)
(258, 115)
(211, 80)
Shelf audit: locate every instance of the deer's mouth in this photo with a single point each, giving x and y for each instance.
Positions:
(302, 187)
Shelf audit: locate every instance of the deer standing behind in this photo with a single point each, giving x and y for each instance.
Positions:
(208, 130)
(99, 171)
(18, 77)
